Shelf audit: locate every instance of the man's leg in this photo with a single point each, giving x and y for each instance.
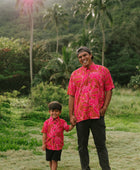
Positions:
(83, 136)
(99, 135)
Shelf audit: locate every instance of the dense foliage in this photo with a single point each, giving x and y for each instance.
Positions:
(135, 80)
(122, 53)
(44, 93)
(14, 63)
(60, 73)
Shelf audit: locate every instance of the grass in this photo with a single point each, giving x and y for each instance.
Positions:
(21, 138)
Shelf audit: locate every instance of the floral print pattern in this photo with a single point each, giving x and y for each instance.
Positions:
(88, 86)
(54, 129)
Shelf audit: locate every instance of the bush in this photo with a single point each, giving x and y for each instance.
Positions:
(44, 93)
(14, 70)
(34, 116)
(13, 94)
(4, 109)
(135, 80)
(65, 113)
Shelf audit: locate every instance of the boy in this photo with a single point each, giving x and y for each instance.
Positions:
(53, 137)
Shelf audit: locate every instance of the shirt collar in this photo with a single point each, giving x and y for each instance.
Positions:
(91, 67)
(51, 119)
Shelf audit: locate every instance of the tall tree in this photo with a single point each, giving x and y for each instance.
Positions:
(82, 40)
(27, 7)
(99, 11)
(55, 15)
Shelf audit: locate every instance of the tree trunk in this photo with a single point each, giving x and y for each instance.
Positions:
(103, 45)
(31, 47)
(57, 40)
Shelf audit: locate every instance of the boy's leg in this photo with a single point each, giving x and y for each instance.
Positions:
(54, 165)
(50, 163)
(53, 156)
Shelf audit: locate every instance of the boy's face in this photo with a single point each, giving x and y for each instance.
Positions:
(54, 113)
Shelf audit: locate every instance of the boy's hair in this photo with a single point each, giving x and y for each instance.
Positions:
(55, 105)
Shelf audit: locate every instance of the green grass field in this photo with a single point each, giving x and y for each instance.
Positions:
(21, 138)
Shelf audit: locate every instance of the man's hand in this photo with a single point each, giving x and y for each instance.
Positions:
(106, 103)
(102, 111)
(73, 120)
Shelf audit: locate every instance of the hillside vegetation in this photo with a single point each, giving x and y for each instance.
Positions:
(121, 52)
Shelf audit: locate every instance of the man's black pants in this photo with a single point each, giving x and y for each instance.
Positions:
(97, 127)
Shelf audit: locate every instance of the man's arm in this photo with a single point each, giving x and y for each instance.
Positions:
(106, 103)
(71, 110)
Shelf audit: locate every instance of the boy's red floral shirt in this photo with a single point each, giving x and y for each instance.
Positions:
(88, 86)
(54, 129)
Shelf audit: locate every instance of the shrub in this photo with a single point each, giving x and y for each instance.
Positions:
(5, 104)
(34, 116)
(65, 113)
(44, 93)
(135, 80)
(14, 70)
(4, 109)
(13, 94)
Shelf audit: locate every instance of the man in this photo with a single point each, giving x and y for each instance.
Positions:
(90, 90)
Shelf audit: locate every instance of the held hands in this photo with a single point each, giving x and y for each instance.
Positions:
(73, 120)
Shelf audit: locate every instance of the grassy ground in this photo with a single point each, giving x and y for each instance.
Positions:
(20, 141)
(123, 150)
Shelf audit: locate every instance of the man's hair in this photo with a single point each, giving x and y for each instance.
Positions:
(55, 105)
(82, 49)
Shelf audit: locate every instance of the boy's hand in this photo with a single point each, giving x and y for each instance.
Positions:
(73, 120)
(44, 147)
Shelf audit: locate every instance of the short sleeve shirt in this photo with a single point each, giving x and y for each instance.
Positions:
(54, 130)
(88, 86)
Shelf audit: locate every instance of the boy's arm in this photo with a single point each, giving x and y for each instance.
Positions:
(44, 141)
(71, 127)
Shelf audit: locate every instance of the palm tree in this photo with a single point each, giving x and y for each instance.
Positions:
(60, 68)
(82, 40)
(97, 9)
(55, 15)
(27, 7)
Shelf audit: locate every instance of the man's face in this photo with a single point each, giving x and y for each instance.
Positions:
(85, 58)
